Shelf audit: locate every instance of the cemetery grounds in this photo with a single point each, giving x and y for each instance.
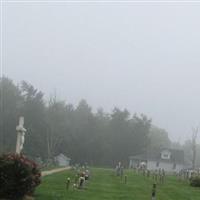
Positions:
(105, 185)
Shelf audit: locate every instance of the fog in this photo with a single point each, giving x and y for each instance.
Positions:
(143, 58)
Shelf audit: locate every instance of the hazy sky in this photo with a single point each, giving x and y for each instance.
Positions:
(143, 58)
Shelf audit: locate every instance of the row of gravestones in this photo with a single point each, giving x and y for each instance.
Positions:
(119, 170)
(60, 160)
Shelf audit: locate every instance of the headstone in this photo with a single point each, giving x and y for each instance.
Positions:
(153, 193)
(125, 179)
(87, 174)
(81, 182)
(163, 176)
(68, 183)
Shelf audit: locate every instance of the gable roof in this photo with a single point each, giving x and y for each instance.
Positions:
(62, 156)
(177, 156)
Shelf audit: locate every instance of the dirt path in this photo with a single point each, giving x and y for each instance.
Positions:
(49, 172)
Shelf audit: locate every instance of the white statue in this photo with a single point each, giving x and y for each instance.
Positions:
(20, 135)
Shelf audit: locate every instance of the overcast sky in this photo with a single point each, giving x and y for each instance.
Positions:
(143, 58)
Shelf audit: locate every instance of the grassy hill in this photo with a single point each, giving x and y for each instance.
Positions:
(104, 185)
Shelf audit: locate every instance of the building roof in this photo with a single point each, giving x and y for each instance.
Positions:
(177, 156)
(62, 156)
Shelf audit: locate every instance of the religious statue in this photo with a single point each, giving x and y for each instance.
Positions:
(20, 135)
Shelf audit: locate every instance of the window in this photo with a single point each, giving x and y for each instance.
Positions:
(157, 164)
(165, 155)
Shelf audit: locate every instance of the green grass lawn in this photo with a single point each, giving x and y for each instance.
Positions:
(104, 185)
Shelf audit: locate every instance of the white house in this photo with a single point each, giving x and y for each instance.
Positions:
(171, 160)
(62, 160)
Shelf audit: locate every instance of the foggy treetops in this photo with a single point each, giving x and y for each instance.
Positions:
(54, 127)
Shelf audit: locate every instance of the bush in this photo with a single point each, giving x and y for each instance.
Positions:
(195, 181)
(19, 176)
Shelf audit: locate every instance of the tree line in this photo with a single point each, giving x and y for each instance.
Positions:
(54, 126)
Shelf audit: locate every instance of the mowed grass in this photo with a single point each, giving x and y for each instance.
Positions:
(104, 185)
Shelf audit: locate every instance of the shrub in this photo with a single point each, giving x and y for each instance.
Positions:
(19, 176)
(195, 181)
